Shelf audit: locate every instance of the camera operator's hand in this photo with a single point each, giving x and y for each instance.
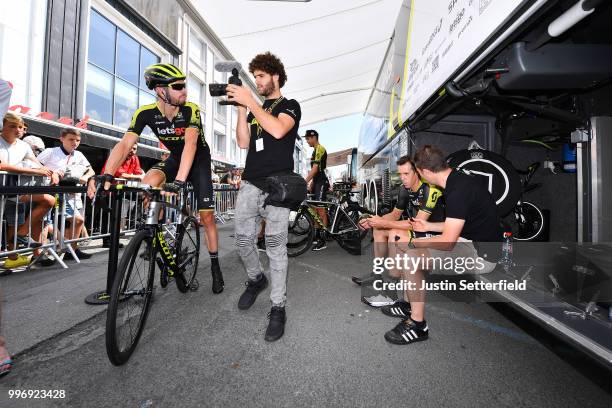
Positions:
(240, 95)
(95, 182)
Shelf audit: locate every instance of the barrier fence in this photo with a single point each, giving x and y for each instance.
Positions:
(40, 219)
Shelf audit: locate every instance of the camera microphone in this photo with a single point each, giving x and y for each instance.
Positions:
(217, 90)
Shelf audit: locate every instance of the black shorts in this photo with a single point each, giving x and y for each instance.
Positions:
(200, 177)
(319, 189)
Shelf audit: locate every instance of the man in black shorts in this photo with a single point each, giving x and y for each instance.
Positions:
(416, 199)
(178, 125)
(320, 184)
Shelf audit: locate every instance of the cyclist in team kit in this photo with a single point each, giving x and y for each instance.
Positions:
(178, 125)
(416, 199)
(320, 184)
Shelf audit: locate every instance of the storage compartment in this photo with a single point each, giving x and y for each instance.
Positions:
(554, 66)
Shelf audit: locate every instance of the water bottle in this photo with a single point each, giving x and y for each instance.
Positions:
(569, 158)
(506, 259)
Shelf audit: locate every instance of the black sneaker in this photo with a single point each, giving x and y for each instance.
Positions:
(80, 254)
(276, 327)
(364, 281)
(407, 332)
(319, 244)
(217, 279)
(46, 261)
(399, 309)
(250, 293)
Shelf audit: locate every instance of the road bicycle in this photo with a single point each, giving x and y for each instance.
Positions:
(168, 238)
(343, 213)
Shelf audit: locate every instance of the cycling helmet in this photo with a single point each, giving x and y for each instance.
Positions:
(162, 74)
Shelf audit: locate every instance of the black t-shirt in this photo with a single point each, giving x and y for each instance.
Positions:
(277, 154)
(468, 200)
(171, 133)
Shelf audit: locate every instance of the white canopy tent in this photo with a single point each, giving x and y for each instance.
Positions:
(332, 49)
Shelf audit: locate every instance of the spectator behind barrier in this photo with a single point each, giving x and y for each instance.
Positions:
(70, 164)
(12, 153)
(130, 169)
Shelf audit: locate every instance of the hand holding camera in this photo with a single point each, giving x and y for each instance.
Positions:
(233, 84)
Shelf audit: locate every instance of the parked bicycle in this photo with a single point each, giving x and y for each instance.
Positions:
(173, 247)
(344, 214)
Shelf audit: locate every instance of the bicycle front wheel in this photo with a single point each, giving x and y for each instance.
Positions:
(188, 253)
(301, 232)
(529, 222)
(130, 298)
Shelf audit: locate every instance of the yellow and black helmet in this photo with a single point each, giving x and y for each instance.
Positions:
(162, 74)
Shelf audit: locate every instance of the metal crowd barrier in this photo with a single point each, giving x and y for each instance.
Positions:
(20, 195)
(225, 202)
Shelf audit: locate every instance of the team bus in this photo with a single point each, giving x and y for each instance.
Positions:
(519, 93)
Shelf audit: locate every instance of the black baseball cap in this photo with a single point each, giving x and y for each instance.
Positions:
(311, 133)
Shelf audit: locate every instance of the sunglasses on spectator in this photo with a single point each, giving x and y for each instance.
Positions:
(177, 87)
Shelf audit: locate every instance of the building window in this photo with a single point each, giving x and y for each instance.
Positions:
(115, 86)
(219, 144)
(233, 151)
(197, 92)
(197, 50)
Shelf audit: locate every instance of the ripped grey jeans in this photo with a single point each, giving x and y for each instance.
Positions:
(249, 213)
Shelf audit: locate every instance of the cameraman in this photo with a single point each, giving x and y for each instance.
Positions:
(269, 132)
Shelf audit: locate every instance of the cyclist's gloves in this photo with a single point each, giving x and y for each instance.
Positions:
(175, 187)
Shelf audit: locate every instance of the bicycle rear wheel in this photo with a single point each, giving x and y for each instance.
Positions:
(188, 253)
(301, 232)
(130, 298)
(528, 222)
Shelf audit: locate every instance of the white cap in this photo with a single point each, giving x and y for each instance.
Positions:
(35, 141)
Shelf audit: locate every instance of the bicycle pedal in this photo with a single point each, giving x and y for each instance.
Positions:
(195, 285)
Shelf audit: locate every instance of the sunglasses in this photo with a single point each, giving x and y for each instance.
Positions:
(177, 87)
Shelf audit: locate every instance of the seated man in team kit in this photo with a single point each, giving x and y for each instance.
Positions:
(178, 125)
(469, 242)
(416, 199)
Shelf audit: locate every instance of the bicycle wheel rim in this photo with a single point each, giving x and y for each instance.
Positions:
(533, 224)
(188, 254)
(130, 299)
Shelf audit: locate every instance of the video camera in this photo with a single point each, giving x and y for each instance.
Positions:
(217, 90)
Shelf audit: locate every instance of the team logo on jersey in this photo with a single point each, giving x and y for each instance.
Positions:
(173, 131)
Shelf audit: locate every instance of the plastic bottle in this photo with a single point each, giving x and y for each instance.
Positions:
(569, 158)
(506, 259)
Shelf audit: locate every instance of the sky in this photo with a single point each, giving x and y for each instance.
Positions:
(337, 134)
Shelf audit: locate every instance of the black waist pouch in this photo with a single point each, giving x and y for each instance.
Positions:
(285, 190)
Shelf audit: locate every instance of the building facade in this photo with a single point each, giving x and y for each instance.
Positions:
(82, 61)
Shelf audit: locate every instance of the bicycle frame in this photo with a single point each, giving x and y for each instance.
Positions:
(337, 206)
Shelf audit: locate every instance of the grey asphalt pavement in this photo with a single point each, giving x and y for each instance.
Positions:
(199, 350)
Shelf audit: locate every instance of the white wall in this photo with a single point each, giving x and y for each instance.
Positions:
(22, 43)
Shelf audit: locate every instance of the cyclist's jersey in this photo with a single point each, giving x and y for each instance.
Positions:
(171, 133)
(424, 199)
(319, 157)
